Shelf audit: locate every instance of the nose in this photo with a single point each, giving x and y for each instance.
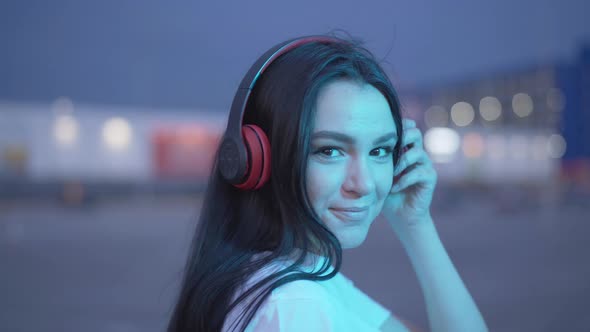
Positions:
(359, 177)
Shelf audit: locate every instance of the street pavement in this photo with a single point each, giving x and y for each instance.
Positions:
(114, 265)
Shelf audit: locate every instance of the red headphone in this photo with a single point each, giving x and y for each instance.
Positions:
(244, 154)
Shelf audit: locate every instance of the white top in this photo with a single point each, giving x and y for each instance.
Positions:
(304, 305)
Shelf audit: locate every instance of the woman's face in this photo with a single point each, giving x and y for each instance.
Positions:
(351, 163)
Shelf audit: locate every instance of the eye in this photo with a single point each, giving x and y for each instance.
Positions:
(330, 151)
(386, 151)
(326, 151)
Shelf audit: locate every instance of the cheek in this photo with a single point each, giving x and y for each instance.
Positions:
(385, 180)
(321, 183)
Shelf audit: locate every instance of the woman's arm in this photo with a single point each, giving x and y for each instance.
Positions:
(449, 305)
(396, 324)
(407, 209)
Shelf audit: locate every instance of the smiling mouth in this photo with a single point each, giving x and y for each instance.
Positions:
(350, 215)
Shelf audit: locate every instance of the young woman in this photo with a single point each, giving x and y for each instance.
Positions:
(266, 257)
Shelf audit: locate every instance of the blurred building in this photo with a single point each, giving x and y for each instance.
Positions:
(527, 125)
(575, 82)
(52, 148)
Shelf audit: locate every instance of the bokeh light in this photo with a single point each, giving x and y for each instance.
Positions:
(116, 133)
(65, 130)
(473, 145)
(436, 116)
(539, 149)
(441, 143)
(62, 106)
(522, 104)
(462, 114)
(496, 147)
(556, 146)
(490, 108)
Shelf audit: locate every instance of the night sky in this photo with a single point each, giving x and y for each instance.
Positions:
(192, 54)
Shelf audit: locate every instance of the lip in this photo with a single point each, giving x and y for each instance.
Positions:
(351, 209)
(350, 214)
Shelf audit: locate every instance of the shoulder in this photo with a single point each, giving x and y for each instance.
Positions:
(300, 290)
(288, 311)
(299, 305)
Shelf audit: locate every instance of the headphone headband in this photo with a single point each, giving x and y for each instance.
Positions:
(246, 86)
(234, 162)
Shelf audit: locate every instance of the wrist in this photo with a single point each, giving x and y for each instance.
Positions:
(415, 230)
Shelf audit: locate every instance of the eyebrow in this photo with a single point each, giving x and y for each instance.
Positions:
(347, 139)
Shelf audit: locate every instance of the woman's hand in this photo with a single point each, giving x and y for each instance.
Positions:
(408, 203)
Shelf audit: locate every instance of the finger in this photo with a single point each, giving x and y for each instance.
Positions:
(412, 137)
(410, 157)
(419, 175)
(408, 123)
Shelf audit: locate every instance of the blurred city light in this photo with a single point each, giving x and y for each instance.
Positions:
(184, 150)
(496, 147)
(462, 114)
(436, 116)
(441, 143)
(473, 145)
(522, 104)
(490, 108)
(539, 149)
(556, 146)
(65, 130)
(62, 106)
(116, 133)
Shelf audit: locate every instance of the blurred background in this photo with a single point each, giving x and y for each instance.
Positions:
(110, 113)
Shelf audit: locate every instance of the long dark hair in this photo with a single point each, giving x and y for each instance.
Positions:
(235, 225)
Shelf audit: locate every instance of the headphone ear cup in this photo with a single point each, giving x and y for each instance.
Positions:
(258, 163)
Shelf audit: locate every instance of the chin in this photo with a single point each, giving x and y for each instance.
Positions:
(351, 243)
